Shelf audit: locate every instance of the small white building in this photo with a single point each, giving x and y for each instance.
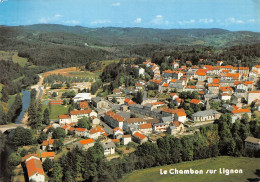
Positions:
(127, 139)
(109, 148)
(86, 143)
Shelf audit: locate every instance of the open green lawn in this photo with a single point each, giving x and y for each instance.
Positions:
(248, 165)
(56, 110)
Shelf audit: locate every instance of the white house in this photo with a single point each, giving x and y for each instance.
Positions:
(34, 168)
(127, 139)
(118, 133)
(78, 114)
(64, 119)
(146, 128)
(109, 148)
(141, 71)
(86, 143)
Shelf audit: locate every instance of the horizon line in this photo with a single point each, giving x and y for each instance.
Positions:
(130, 27)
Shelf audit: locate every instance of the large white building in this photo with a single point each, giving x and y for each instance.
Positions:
(82, 97)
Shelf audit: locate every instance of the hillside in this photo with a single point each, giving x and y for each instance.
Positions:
(248, 165)
(112, 36)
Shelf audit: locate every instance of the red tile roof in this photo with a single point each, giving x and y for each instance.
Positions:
(65, 116)
(116, 140)
(118, 129)
(139, 135)
(79, 112)
(181, 114)
(83, 105)
(146, 126)
(172, 111)
(47, 154)
(80, 129)
(115, 116)
(34, 166)
(86, 141)
(176, 123)
(195, 101)
(241, 111)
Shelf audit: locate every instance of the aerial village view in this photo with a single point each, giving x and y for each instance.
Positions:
(113, 104)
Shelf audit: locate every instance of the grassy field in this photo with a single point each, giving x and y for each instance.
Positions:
(13, 55)
(56, 110)
(248, 165)
(19, 60)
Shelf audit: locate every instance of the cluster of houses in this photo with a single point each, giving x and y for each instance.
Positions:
(131, 122)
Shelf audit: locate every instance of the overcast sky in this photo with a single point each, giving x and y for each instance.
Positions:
(167, 14)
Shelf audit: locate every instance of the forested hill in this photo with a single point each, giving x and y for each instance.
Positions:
(111, 36)
(56, 46)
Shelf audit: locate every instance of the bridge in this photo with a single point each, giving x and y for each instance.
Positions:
(6, 127)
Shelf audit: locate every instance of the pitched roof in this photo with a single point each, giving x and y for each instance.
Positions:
(116, 140)
(78, 112)
(127, 136)
(30, 155)
(176, 123)
(86, 141)
(146, 126)
(252, 140)
(118, 129)
(81, 129)
(195, 101)
(139, 135)
(47, 154)
(64, 116)
(83, 105)
(235, 111)
(181, 114)
(172, 111)
(34, 166)
(95, 130)
(115, 116)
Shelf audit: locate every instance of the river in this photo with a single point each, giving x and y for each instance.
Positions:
(26, 99)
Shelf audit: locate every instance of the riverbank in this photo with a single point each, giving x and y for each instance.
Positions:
(40, 90)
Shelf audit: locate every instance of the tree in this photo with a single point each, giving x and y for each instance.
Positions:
(22, 137)
(24, 152)
(43, 136)
(58, 144)
(58, 133)
(84, 123)
(139, 97)
(54, 94)
(64, 102)
(47, 164)
(57, 172)
(4, 92)
(2, 142)
(14, 159)
(46, 116)
(2, 115)
(114, 100)
(68, 85)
